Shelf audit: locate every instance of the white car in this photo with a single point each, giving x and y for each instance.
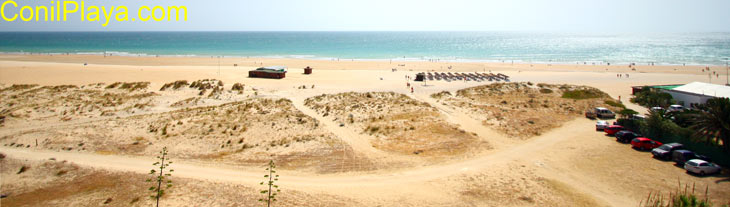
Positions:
(656, 108)
(701, 167)
(638, 117)
(675, 108)
(600, 125)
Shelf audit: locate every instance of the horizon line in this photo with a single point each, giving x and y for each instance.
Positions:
(515, 31)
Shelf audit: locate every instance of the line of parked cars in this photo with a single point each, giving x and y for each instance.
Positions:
(692, 162)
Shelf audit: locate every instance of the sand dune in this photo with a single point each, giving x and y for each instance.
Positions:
(220, 141)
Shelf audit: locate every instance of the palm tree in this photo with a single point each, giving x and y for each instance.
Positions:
(713, 123)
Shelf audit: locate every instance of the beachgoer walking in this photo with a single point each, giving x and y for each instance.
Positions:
(411, 89)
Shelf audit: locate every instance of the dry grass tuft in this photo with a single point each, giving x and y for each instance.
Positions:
(131, 87)
(67, 102)
(175, 85)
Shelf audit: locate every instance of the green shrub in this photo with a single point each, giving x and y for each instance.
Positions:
(583, 94)
(630, 124)
(615, 104)
(649, 98)
(658, 126)
(627, 113)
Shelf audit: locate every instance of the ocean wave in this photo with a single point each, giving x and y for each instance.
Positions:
(449, 59)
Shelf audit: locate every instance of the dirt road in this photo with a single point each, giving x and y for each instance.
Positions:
(378, 183)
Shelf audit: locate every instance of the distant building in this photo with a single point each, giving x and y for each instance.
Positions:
(277, 72)
(695, 93)
(636, 89)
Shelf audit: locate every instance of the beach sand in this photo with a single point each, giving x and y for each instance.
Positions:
(568, 164)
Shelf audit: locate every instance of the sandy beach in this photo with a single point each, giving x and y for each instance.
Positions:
(350, 134)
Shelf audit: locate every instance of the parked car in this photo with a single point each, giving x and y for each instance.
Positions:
(600, 125)
(681, 156)
(701, 167)
(625, 136)
(665, 151)
(601, 113)
(637, 117)
(675, 108)
(643, 143)
(613, 129)
(656, 108)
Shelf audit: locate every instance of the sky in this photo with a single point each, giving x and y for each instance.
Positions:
(589, 16)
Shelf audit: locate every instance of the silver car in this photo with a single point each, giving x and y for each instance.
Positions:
(701, 167)
(600, 125)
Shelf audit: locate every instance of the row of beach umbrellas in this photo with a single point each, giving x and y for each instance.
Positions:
(479, 77)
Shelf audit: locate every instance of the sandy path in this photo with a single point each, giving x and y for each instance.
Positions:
(378, 183)
(461, 119)
(590, 186)
(360, 143)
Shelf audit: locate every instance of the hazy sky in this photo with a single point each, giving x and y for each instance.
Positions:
(593, 16)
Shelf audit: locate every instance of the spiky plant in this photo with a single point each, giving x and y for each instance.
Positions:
(161, 176)
(678, 198)
(273, 189)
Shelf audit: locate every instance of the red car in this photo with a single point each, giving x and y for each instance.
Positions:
(644, 143)
(611, 130)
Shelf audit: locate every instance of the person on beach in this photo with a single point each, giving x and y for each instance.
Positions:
(411, 89)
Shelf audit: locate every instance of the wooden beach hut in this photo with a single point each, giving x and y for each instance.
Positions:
(276, 72)
(420, 77)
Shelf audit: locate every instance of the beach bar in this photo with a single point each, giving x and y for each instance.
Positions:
(276, 72)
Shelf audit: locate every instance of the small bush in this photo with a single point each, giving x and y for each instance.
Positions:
(175, 85)
(23, 169)
(441, 94)
(614, 103)
(546, 90)
(649, 98)
(237, 87)
(583, 94)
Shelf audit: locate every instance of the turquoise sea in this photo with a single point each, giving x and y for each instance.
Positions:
(686, 48)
